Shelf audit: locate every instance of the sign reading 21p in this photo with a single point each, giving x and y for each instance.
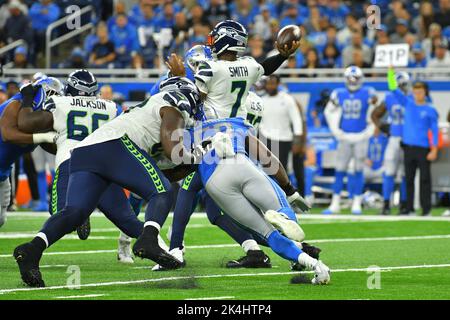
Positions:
(395, 55)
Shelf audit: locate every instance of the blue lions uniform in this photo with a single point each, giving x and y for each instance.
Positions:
(396, 114)
(355, 106)
(10, 152)
(377, 146)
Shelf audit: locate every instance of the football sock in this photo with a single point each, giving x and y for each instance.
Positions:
(339, 182)
(403, 190)
(42, 186)
(158, 207)
(181, 215)
(358, 183)
(388, 186)
(283, 246)
(250, 244)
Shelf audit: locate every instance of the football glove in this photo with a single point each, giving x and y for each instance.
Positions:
(298, 203)
(222, 144)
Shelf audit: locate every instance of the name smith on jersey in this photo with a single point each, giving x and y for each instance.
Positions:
(238, 71)
(94, 104)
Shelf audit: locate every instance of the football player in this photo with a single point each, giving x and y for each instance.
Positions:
(248, 195)
(348, 114)
(124, 152)
(13, 142)
(393, 158)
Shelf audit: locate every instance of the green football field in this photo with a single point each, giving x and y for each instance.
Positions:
(371, 257)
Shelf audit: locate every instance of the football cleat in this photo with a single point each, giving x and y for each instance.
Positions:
(253, 259)
(124, 250)
(27, 258)
(84, 230)
(386, 212)
(312, 251)
(147, 247)
(288, 227)
(178, 253)
(321, 274)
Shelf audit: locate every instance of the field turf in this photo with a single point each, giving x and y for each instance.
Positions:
(412, 253)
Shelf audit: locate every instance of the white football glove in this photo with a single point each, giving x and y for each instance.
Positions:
(223, 145)
(298, 203)
(47, 137)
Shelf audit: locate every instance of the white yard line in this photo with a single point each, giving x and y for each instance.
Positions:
(20, 235)
(263, 274)
(81, 296)
(231, 245)
(212, 298)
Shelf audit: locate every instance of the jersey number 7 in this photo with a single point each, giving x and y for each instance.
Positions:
(241, 86)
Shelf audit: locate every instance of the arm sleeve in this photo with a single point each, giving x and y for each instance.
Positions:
(296, 118)
(204, 76)
(271, 64)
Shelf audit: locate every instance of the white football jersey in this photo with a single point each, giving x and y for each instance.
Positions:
(255, 107)
(74, 118)
(226, 85)
(142, 124)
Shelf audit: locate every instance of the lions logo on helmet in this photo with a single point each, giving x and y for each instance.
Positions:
(81, 83)
(228, 35)
(197, 54)
(403, 80)
(353, 78)
(183, 93)
(46, 87)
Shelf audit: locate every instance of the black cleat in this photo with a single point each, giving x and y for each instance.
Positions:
(27, 257)
(311, 251)
(253, 259)
(146, 246)
(385, 212)
(84, 230)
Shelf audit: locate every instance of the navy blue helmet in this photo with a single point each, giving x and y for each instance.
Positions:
(81, 83)
(184, 94)
(228, 35)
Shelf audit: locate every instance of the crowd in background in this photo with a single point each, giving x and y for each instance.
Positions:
(334, 31)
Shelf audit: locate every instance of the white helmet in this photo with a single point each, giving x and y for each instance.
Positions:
(353, 78)
(403, 80)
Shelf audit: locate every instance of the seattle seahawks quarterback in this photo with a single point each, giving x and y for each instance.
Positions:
(349, 117)
(393, 158)
(125, 152)
(245, 193)
(14, 143)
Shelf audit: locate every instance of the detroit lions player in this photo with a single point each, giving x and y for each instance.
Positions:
(247, 194)
(348, 114)
(393, 158)
(14, 143)
(136, 141)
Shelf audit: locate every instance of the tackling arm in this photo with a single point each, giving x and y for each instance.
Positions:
(9, 129)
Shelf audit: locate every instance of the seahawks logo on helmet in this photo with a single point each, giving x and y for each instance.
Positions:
(228, 35)
(81, 83)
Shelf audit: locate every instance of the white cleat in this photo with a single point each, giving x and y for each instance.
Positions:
(162, 243)
(356, 206)
(446, 213)
(124, 251)
(288, 227)
(321, 274)
(178, 253)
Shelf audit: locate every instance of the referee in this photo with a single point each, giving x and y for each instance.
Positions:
(420, 118)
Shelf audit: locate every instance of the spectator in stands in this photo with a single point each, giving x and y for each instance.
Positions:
(42, 14)
(312, 24)
(18, 25)
(103, 53)
(12, 88)
(422, 22)
(274, 29)
(120, 8)
(312, 62)
(357, 43)
(107, 93)
(76, 60)
(336, 11)
(442, 16)
(244, 12)
(262, 23)
(167, 17)
(419, 59)
(124, 37)
(5, 13)
(381, 36)
(434, 32)
(398, 11)
(441, 56)
(20, 58)
(401, 31)
(256, 46)
(145, 17)
(218, 11)
(358, 59)
(197, 16)
(330, 56)
(344, 35)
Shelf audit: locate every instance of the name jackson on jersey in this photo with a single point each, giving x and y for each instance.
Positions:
(94, 104)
